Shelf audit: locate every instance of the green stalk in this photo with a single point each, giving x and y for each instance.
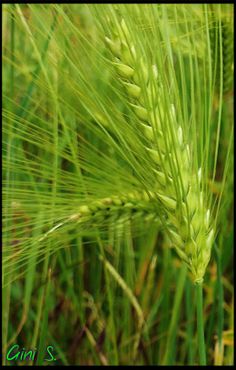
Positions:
(173, 326)
(220, 299)
(189, 328)
(200, 326)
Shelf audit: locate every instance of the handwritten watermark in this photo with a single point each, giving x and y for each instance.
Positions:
(15, 353)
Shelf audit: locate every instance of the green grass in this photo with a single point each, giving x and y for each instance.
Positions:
(90, 266)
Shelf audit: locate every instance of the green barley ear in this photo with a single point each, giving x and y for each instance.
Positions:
(113, 132)
(178, 189)
(149, 131)
(128, 206)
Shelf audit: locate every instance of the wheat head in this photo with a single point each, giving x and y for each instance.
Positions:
(177, 189)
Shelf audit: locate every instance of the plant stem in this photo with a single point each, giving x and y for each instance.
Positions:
(200, 325)
(189, 329)
(173, 326)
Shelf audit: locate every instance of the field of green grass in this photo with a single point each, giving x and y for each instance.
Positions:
(117, 144)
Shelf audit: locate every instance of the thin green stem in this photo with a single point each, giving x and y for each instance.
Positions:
(189, 327)
(200, 326)
(173, 327)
